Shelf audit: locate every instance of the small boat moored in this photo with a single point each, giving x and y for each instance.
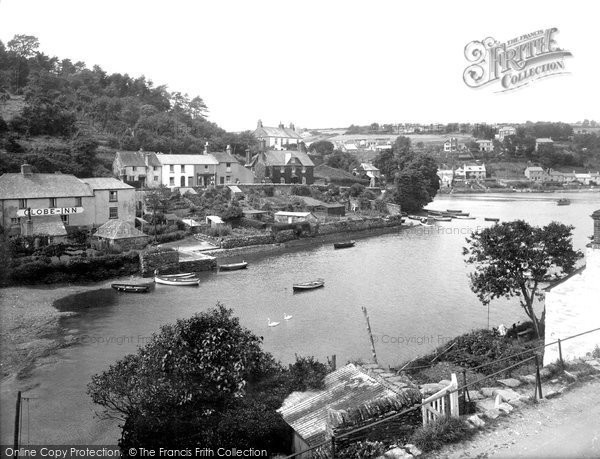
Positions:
(490, 219)
(442, 219)
(131, 288)
(233, 266)
(563, 202)
(310, 285)
(176, 280)
(343, 244)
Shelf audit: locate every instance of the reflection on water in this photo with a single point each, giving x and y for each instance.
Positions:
(413, 282)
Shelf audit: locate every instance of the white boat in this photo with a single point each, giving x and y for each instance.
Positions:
(174, 276)
(233, 266)
(301, 286)
(271, 324)
(463, 217)
(177, 280)
(287, 317)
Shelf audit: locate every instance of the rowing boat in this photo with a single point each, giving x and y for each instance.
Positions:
(233, 266)
(131, 288)
(310, 285)
(176, 280)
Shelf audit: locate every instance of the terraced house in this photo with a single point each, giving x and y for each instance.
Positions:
(138, 168)
(46, 204)
(283, 167)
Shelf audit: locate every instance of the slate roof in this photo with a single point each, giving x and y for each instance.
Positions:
(284, 157)
(118, 229)
(186, 159)
(19, 186)
(346, 391)
(137, 158)
(534, 169)
(224, 157)
(51, 225)
(293, 214)
(107, 183)
(284, 132)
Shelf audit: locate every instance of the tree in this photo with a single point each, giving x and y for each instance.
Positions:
(410, 190)
(204, 380)
(322, 147)
(513, 259)
(157, 200)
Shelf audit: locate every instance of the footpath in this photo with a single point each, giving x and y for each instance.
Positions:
(564, 427)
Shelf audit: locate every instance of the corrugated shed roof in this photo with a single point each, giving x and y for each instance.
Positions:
(346, 390)
(186, 159)
(107, 183)
(49, 226)
(19, 186)
(118, 229)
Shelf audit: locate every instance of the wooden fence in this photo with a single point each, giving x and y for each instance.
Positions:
(443, 403)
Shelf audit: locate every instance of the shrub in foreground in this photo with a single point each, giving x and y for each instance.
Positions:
(441, 432)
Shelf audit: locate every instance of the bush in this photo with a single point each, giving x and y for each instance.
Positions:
(219, 231)
(301, 190)
(441, 432)
(170, 237)
(363, 450)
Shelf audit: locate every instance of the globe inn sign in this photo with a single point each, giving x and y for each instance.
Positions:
(46, 204)
(49, 211)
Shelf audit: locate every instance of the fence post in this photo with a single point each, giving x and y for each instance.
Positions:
(538, 379)
(333, 452)
(466, 389)
(562, 362)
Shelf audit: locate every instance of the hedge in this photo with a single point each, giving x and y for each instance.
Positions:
(75, 270)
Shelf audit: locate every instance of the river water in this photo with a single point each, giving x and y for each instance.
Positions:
(413, 282)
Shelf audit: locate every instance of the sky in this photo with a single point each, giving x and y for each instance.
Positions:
(323, 63)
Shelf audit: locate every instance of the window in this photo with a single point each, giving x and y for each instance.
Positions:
(282, 180)
(131, 178)
(156, 178)
(52, 202)
(15, 221)
(77, 202)
(155, 168)
(304, 170)
(282, 170)
(112, 196)
(221, 180)
(172, 181)
(172, 169)
(228, 179)
(304, 180)
(22, 203)
(228, 166)
(65, 219)
(113, 212)
(206, 166)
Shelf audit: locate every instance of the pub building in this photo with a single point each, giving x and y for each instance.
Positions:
(46, 204)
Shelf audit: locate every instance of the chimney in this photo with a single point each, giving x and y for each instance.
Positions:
(292, 127)
(248, 158)
(259, 124)
(26, 170)
(262, 145)
(281, 126)
(228, 149)
(596, 240)
(206, 148)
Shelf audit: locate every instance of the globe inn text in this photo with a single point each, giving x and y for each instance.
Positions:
(46, 204)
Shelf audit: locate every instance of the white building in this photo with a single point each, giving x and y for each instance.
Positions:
(277, 138)
(543, 142)
(505, 131)
(572, 306)
(446, 177)
(451, 145)
(180, 171)
(485, 145)
(536, 174)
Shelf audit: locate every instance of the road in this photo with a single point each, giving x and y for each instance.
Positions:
(564, 427)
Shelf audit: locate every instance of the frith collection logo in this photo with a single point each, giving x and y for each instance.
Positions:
(515, 63)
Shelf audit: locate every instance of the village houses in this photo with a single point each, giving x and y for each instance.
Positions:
(282, 166)
(485, 145)
(505, 131)
(279, 137)
(138, 168)
(45, 204)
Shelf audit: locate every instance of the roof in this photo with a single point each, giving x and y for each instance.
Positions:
(19, 186)
(293, 214)
(544, 140)
(186, 159)
(224, 157)
(107, 183)
(137, 158)
(282, 132)
(349, 393)
(368, 167)
(475, 168)
(215, 219)
(118, 229)
(534, 169)
(234, 189)
(171, 217)
(483, 141)
(49, 226)
(190, 222)
(283, 157)
(312, 202)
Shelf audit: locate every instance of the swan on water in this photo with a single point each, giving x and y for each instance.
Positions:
(287, 317)
(271, 324)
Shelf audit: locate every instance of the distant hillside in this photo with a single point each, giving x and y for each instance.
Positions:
(60, 115)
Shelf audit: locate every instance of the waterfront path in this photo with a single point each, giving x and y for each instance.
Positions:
(564, 427)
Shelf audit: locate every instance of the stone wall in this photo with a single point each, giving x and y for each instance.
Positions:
(244, 241)
(206, 263)
(166, 261)
(285, 235)
(357, 225)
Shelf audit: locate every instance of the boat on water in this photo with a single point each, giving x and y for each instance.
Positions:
(454, 211)
(310, 285)
(442, 219)
(176, 276)
(563, 202)
(343, 244)
(233, 266)
(490, 219)
(414, 217)
(463, 217)
(181, 281)
(130, 288)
